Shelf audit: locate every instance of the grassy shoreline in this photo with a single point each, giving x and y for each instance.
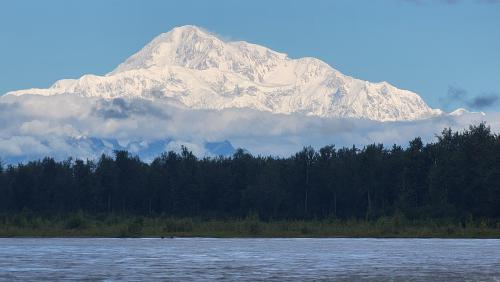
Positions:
(80, 225)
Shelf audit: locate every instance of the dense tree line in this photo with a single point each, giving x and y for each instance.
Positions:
(456, 177)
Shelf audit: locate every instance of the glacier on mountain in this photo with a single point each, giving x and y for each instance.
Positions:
(195, 69)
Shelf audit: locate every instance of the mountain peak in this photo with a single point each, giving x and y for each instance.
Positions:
(462, 111)
(190, 29)
(185, 34)
(196, 69)
(182, 46)
(193, 48)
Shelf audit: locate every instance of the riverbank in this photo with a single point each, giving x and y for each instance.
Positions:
(79, 225)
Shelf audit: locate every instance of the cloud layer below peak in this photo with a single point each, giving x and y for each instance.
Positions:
(64, 126)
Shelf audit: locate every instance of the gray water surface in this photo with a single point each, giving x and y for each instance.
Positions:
(203, 259)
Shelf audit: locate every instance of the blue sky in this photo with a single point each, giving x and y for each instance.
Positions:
(448, 51)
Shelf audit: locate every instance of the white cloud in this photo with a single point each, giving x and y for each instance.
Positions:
(22, 145)
(61, 126)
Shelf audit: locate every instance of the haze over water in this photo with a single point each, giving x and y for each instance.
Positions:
(195, 259)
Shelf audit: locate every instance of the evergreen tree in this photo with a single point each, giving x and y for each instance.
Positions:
(455, 178)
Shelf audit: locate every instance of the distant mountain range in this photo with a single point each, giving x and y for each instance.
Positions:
(94, 147)
(194, 68)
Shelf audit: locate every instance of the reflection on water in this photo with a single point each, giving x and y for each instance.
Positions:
(249, 259)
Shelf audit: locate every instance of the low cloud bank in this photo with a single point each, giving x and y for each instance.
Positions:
(33, 126)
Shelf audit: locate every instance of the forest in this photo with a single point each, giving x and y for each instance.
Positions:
(457, 178)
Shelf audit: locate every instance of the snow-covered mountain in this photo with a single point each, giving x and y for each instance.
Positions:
(461, 111)
(196, 69)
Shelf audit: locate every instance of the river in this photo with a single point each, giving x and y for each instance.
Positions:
(201, 259)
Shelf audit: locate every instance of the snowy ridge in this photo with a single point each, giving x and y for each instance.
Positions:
(461, 111)
(196, 69)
